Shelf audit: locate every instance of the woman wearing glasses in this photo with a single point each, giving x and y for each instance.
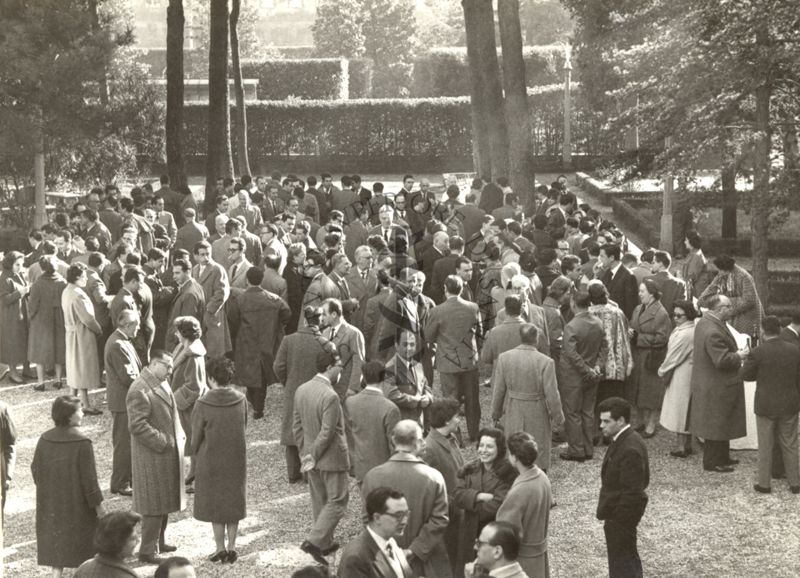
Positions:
(676, 370)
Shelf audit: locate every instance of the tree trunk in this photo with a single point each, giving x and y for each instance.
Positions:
(103, 80)
(493, 91)
(174, 121)
(517, 114)
(39, 198)
(791, 150)
(218, 156)
(730, 202)
(481, 145)
(761, 187)
(242, 160)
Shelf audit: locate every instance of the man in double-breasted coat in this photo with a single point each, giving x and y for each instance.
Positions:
(717, 409)
(157, 441)
(258, 319)
(214, 281)
(189, 300)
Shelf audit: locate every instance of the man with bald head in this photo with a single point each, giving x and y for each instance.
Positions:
(440, 248)
(718, 408)
(422, 540)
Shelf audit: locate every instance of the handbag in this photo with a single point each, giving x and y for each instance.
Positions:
(655, 358)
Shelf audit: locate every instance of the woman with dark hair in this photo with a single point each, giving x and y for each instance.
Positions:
(695, 268)
(68, 497)
(115, 540)
(81, 327)
(218, 425)
(46, 338)
(618, 364)
(14, 291)
(676, 371)
(649, 332)
(481, 487)
(527, 505)
(188, 380)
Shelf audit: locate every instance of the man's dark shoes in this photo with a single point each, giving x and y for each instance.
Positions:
(232, 557)
(720, 469)
(126, 491)
(314, 552)
(92, 411)
(732, 462)
(762, 490)
(571, 458)
(330, 549)
(258, 415)
(163, 548)
(39, 386)
(153, 559)
(221, 556)
(680, 453)
(794, 489)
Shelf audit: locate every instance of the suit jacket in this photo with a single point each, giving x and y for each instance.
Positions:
(788, 334)
(190, 300)
(429, 258)
(471, 217)
(775, 367)
(625, 475)
(622, 289)
(274, 283)
(123, 300)
(318, 425)
(103, 235)
(581, 349)
(238, 282)
(395, 230)
(122, 368)
(216, 290)
(361, 558)
(402, 385)
(428, 518)
(452, 326)
(349, 342)
(672, 289)
(251, 214)
(189, 235)
(441, 270)
(355, 235)
(362, 290)
(320, 289)
(371, 418)
(219, 251)
(113, 222)
(718, 407)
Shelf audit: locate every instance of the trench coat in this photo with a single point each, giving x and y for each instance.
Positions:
(717, 407)
(473, 479)
(218, 442)
(67, 494)
(257, 320)
(652, 325)
(46, 337)
(293, 367)
(188, 384)
(675, 410)
(83, 360)
(526, 396)
(214, 281)
(13, 319)
(527, 508)
(157, 441)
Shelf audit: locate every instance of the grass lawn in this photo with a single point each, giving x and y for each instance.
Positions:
(697, 524)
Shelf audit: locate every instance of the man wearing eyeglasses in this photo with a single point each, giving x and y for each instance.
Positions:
(496, 551)
(375, 552)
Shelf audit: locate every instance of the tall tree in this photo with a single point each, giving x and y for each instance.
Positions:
(219, 162)
(338, 29)
(517, 113)
(242, 160)
(481, 144)
(174, 124)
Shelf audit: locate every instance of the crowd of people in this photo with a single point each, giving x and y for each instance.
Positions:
(357, 302)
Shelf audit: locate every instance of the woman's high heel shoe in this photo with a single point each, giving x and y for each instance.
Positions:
(220, 556)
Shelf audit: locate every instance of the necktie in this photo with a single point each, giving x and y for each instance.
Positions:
(333, 333)
(233, 271)
(389, 552)
(411, 372)
(386, 235)
(364, 274)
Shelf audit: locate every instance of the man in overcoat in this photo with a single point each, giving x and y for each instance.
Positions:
(214, 280)
(292, 368)
(122, 368)
(349, 342)
(718, 408)
(157, 441)
(258, 320)
(422, 541)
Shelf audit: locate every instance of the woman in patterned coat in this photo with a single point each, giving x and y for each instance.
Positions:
(14, 291)
(46, 337)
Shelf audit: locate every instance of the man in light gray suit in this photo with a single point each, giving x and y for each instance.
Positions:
(273, 282)
(318, 428)
(349, 342)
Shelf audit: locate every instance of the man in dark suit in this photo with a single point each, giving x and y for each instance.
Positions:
(189, 300)
(191, 233)
(791, 332)
(432, 254)
(583, 344)
(371, 419)
(405, 383)
(374, 553)
(471, 216)
(387, 228)
(320, 287)
(452, 327)
(618, 279)
(363, 283)
(122, 368)
(671, 287)
(557, 218)
(318, 428)
(718, 406)
(775, 367)
(136, 295)
(445, 267)
(625, 476)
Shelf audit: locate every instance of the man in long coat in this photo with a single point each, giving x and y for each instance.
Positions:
(122, 368)
(81, 329)
(428, 519)
(292, 368)
(189, 301)
(526, 393)
(214, 281)
(258, 319)
(157, 441)
(718, 410)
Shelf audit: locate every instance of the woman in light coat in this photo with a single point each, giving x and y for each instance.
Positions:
(650, 329)
(677, 371)
(83, 363)
(188, 379)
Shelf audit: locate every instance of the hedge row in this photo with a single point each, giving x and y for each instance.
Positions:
(310, 78)
(445, 71)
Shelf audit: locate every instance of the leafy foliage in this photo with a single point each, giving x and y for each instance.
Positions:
(545, 22)
(338, 29)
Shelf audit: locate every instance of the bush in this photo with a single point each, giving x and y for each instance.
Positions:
(307, 79)
(445, 72)
(360, 78)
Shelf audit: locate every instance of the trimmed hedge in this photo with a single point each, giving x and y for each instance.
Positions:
(310, 78)
(445, 72)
